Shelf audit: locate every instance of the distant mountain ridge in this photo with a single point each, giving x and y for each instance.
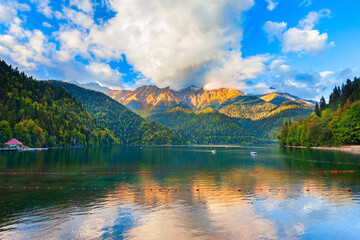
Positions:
(278, 98)
(92, 86)
(149, 99)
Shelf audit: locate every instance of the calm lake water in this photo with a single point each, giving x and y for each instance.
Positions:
(99, 193)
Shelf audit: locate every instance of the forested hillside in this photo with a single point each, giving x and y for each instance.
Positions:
(205, 127)
(128, 126)
(332, 124)
(254, 120)
(39, 114)
(270, 126)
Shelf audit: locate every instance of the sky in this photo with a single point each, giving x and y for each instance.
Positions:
(302, 47)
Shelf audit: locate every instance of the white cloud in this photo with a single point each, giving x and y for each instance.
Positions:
(9, 11)
(303, 38)
(326, 73)
(26, 54)
(309, 41)
(83, 5)
(26, 48)
(313, 18)
(58, 15)
(16, 30)
(78, 18)
(274, 29)
(234, 70)
(167, 47)
(63, 55)
(22, 7)
(306, 3)
(43, 7)
(73, 43)
(309, 85)
(47, 25)
(6, 13)
(276, 63)
(271, 4)
(103, 73)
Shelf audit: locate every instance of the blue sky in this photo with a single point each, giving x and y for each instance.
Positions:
(303, 47)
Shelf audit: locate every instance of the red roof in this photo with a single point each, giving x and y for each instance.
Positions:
(13, 142)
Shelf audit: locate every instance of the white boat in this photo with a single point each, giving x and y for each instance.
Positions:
(253, 153)
(213, 151)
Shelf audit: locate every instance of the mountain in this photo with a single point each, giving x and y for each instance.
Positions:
(39, 114)
(280, 98)
(206, 126)
(268, 127)
(94, 86)
(91, 86)
(148, 100)
(262, 115)
(247, 107)
(210, 126)
(331, 124)
(128, 126)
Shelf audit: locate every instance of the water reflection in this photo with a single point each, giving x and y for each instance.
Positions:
(217, 211)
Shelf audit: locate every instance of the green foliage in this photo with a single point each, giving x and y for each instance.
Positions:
(128, 126)
(5, 132)
(346, 125)
(155, 133)
(30, 133)
(338, 123)
(205, 127)
(40, 114)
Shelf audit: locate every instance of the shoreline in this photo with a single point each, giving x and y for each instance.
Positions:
(350, 148)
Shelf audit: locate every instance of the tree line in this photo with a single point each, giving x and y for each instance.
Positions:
(334, 123)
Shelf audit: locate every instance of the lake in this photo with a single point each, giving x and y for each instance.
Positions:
(179, 192)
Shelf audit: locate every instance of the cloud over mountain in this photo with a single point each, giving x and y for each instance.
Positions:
(128, 43)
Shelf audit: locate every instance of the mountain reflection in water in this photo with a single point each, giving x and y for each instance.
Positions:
(230, 203)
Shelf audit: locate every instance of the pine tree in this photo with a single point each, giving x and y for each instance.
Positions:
(346, 91)
(317, 110)
(335, 95)
(323, 105)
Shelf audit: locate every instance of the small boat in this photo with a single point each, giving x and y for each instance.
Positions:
(213, 151)
(253, 153)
